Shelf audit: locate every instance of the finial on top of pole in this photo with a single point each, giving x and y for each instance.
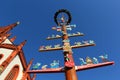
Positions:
(63, 19)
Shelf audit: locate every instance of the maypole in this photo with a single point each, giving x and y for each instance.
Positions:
(63, 19)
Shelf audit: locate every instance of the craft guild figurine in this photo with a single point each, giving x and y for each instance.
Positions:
(55, 64)
(91, 42)
(77, 43)
(42, 47)
(68, 61)
(58, 36)
(53, 36)
(48, 47)
(85, 42)
(89, 60)
(82, 62)
(95, 60)
(54, 28)
(59, 28)
(48, 37)
(69, 28)
(78, 33)
(72, 26)
(57, 46)
(63, 32)
(73, 34)
(67, 57)
(69, 34)
(36, 66)
(62, 19)
(104, 58)
(66, 40)
(44, 67)
(66, 48)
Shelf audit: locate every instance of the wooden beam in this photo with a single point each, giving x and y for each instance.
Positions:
(25, 74)
(83, 45)
(7, 28)
(4, 37)
(77, 68)
(13, 39)
(91, 66)
(50, 38)
(34, 76)
(51, 49)
(8, 46)
(48, 70)
(60, 48)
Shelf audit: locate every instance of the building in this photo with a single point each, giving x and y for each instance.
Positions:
(13, 64)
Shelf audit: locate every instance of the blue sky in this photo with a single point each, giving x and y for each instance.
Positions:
(97, 19)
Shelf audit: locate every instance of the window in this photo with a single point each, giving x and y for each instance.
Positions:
(12, 75)
(1, 56)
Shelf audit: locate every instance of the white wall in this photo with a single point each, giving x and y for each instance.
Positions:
(6, 53)
(7, 41)
(15, 61)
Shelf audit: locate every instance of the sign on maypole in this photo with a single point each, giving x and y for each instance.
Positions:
(63, 19)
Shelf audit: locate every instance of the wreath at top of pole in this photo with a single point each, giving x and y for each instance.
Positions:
(60, 12)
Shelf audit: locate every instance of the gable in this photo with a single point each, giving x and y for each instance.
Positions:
(7, 41)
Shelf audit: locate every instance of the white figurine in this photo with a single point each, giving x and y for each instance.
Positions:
(53, 36)
(77, 43)
(82, 62)
(95, 60)
(48, 47)
(85, 42)
(66, 40)
(91, 42)
(69, 34)
(58, 36)
(44, 66)
(69, 28)
(42, 47)
(48, 37)
(73, 26)
(104, 58)
(78, 33)
(73, 34)
(57, 46)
